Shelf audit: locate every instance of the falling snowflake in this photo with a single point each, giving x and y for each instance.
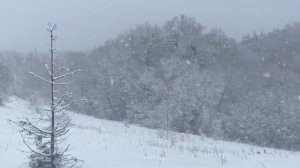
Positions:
(111, 81)
(267, 75)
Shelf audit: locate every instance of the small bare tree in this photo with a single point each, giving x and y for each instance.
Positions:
(48, 135)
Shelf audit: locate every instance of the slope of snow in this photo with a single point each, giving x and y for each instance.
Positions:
(108, 144)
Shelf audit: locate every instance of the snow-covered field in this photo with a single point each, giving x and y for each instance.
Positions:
(107, 144)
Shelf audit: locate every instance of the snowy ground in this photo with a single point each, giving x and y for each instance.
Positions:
(108, 144)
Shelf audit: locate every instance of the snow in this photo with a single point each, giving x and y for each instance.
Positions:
(188, 62)
(267, 75)
(102, 143)
(111, 81)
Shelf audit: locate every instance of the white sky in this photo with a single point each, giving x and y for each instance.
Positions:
(85, 24)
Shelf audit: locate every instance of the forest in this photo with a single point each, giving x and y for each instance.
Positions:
(180, 77)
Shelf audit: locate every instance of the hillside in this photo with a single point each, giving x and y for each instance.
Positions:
(108, 144)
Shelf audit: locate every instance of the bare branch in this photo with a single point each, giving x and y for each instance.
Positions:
(44, 80)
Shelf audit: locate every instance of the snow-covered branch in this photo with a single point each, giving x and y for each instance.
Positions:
(67, 74)
(44, 80)
(32, 150)
(60, 70)
(48, 69)
(68, 105)
(66, 83)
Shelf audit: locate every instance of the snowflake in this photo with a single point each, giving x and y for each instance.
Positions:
(267, 75)
(188, 62)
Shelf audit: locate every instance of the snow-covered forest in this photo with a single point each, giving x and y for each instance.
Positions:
(170, 91)
(184, 78)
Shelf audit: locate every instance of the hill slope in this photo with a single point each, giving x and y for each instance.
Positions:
(108, 144)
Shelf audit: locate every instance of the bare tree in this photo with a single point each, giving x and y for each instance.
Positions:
(50, 132)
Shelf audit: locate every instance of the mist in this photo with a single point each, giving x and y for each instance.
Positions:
(84, 25)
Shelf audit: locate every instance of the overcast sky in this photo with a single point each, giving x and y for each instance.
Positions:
(85, 24)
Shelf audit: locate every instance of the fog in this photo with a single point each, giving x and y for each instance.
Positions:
(84, 25)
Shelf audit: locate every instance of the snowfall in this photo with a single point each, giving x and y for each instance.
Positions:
(101, 143)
